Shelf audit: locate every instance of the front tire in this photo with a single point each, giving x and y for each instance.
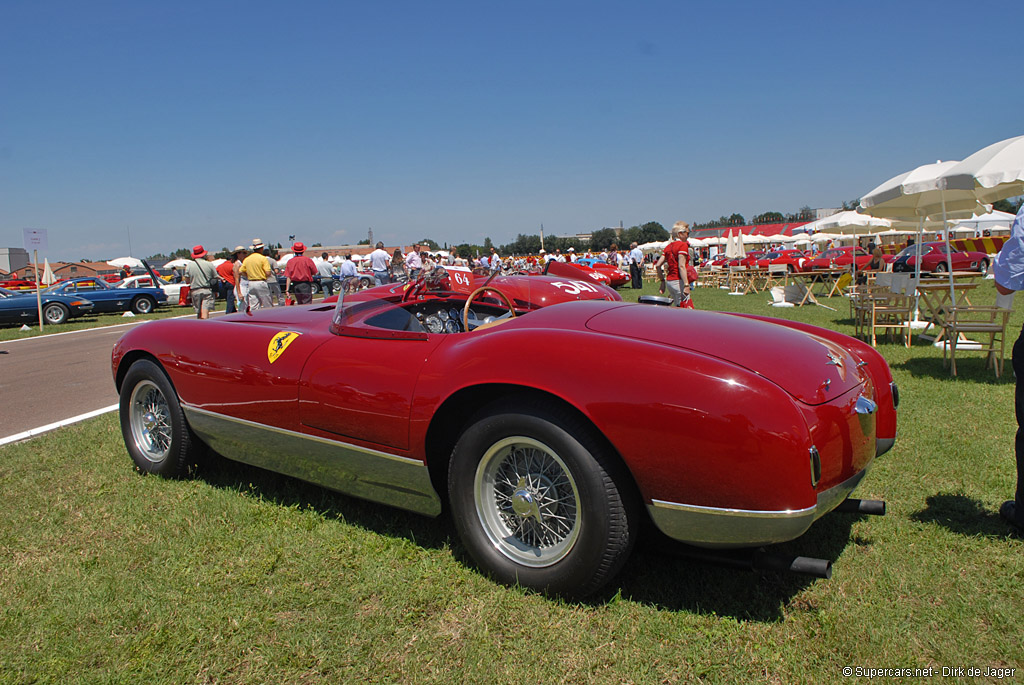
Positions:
(55, 313)
(984, 267)
(941, 268)
(540, 501)
(143, 305)
(153, 424)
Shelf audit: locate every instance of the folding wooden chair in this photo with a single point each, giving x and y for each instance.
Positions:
(983, 321)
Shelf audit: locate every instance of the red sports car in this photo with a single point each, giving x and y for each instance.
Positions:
(795, 260)
(749, 260)
(934, 259)
(487, 397)
(841, 258)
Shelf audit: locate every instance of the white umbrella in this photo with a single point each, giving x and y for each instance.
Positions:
(741, 250)
(730, 246)
(853, 223)
(48, 277)
(990, 174)
(284, 260)
(916, 193)
(176, 263)
(130, 262)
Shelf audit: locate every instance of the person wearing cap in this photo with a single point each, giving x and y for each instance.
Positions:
(241, 282)
(256, 268)
(299, 273)
(228, 280)
(201, 278)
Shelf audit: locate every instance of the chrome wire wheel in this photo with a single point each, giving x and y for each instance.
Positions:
(527, 501)
(150, 420)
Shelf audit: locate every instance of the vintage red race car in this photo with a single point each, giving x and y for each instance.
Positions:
(935, 260)
(487, 397)
(795, 260)
(841, 258)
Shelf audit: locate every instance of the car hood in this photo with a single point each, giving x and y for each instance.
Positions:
(811, 369)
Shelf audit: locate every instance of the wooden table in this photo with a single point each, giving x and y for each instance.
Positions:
(935, 296)
(827, 279)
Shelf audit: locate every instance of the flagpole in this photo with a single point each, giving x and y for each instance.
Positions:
(39, 296)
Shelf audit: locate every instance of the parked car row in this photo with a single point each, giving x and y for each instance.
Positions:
(933, 259)
(76, 297)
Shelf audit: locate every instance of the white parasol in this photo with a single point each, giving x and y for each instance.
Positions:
(130, 262)
(176, 263)
(48, 278)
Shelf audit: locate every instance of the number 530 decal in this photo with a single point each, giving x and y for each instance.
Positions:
(575, 287)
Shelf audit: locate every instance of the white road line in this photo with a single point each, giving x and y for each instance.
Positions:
(87, 330)
(33, 432)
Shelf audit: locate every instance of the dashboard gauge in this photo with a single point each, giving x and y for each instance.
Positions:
(455, 314)
(443, 315)
(451, 326)
(434, 324)
(471, 315)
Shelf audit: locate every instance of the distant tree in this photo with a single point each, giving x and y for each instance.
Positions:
(805, 213)
(488, 245)
(364, 241)
(768, 218)
(431, 244)
(602, 239)
(651, 232)
(1011, 205)
(736, 219)
(852, 205)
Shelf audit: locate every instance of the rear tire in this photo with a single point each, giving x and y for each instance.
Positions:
(153, 424)
(941, 268)
(984, 267)
(143, 304)
(540, 501)
(54, 313)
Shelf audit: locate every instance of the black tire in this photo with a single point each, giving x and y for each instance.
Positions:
(143, 304)
(983, 267)
(314, 288)
(365, 283)
(522, 462)
(153, 424)
(55, 313)
(941, 268)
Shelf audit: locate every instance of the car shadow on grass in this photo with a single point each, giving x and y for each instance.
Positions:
(961, 514)
(292, 492)
(968, 369)
(660, 572)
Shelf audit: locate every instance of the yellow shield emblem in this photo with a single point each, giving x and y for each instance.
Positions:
(279, 343)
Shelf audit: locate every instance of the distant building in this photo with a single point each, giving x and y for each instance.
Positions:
(825, 212)
(13, 258)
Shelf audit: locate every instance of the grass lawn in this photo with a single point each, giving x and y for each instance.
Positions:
(246, 576)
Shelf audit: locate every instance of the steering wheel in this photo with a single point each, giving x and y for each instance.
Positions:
(472, 296)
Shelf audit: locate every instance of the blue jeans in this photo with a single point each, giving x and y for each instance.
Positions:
(381, 277)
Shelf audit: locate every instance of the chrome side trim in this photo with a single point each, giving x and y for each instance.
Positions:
(717, 527)
(358, 471)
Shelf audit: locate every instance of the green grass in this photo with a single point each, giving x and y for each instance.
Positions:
(247, 576)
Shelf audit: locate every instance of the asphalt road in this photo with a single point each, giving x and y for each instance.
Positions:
(52, 378)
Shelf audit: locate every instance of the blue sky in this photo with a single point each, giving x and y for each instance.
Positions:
(215, 122)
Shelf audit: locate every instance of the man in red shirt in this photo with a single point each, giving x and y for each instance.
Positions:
(299, 272)
(226, 270)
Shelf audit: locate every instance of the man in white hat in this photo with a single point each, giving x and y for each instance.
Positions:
(256, 268)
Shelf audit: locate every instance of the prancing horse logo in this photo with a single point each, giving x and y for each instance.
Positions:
(279, 343)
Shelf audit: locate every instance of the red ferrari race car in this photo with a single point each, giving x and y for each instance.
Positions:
(841, 258)
(935, 260)
(485, 397)
(795, 260)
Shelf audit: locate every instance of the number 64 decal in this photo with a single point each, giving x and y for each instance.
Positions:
(575, 287)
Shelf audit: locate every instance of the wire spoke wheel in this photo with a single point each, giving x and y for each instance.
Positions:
(150, 419)
(527, 501)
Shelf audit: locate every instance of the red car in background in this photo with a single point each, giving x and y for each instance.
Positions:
(934, 259)
(18, 284)
(795, 260)
(749, 261)
(617, 277)
(841, 258)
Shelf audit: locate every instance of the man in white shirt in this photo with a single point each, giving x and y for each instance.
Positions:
(326, 272)
(380, 264)
(636, 258)
(495, 262)
(413, 262)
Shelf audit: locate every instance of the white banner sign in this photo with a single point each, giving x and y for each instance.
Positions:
(35, 239)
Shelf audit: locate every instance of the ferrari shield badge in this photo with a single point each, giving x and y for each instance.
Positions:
(279, 343)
